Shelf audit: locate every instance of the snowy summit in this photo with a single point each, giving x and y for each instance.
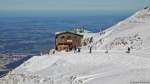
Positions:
(118, 55)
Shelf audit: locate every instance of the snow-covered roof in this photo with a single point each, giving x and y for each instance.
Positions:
(75, 31)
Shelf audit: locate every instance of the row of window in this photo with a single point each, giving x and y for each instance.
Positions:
(64, 43)
(67, 37)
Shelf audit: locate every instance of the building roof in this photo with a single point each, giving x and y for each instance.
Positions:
(76, 31)
(68, 32)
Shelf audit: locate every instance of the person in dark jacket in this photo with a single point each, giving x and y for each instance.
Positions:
(129, 50)
(75, 49)
(79, 49)
(90, 50)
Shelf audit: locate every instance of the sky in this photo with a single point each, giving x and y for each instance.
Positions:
(72, 5)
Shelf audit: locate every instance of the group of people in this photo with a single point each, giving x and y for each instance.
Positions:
(128, 50)
(77, 50)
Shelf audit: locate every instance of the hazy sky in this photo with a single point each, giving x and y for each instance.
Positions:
(38, 5)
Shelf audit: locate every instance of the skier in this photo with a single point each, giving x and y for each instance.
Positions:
(75, 49)
(129, 49)
(53, 51)
(79, 50)
(90, 50)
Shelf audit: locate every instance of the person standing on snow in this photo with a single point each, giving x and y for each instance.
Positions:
(90, 49)
(53, 52)
(129, 50)
(75, 49)
(79, 50)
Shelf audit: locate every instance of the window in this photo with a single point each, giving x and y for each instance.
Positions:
(62, 37)
(69, 37)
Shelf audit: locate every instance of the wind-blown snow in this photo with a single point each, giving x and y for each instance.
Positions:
(114, 67)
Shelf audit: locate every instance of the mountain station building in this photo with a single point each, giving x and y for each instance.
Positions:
(68, 40)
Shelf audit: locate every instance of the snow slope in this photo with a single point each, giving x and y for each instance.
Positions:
(134, 31)
(114, 67)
